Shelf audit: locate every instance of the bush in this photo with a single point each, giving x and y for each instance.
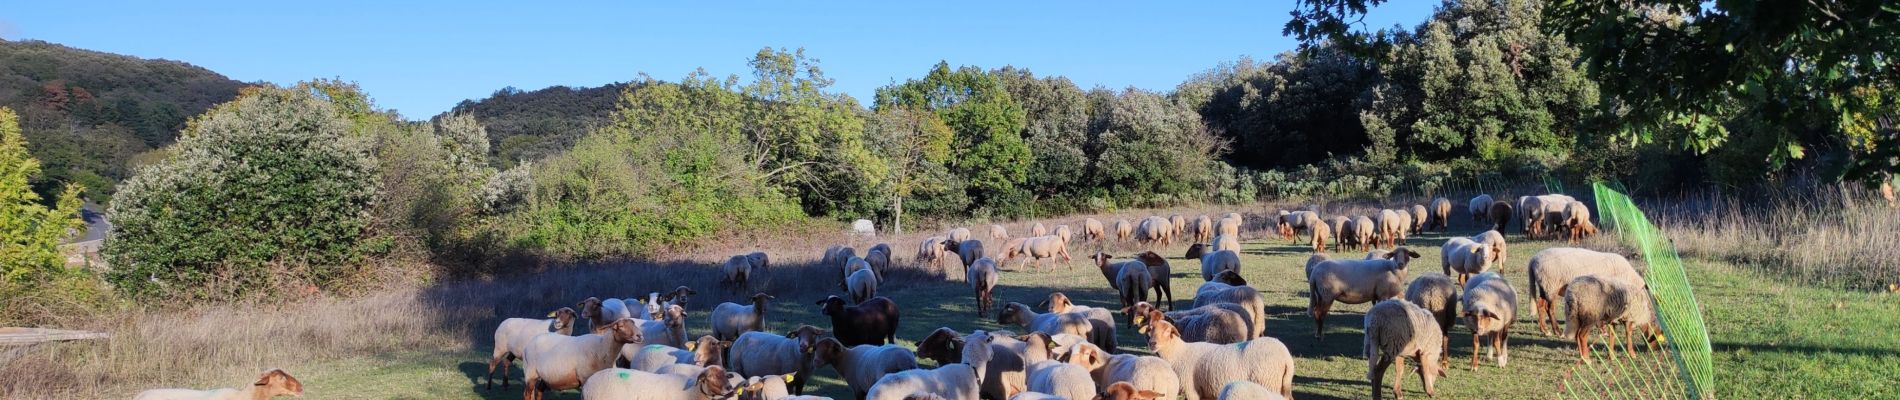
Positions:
(268, 190)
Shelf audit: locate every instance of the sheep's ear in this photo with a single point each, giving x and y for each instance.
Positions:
(1147, 394)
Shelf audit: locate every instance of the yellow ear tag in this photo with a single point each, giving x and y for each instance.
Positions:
(789, 378)
(551, 314)
(741, 391)
(642, 301)
(692, 346)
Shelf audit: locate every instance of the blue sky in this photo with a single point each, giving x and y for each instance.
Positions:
(422, 57)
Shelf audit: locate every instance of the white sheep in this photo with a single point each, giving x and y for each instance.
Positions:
(1203, 228)
(1294, 220)
(862, 365)
(1244, 390)
(1045, 374)
(1441, 214)
(1229, 288)
(513, 335)
(1355, 282)
(997, 233)
(955, 381)
(1154, 231)
(1390, 229)
(1213, 263)
(1064, 232)
(1178, 224)
(1123, 230)
(982, 277)
(670, 330)
(1418, 217)
(1203, 368)
(1038, 230)
(705, 351)
(1050, 323)
(1221, 323)
(624, 384)
(1499, 248)
(1552, 269)
(863, 284)
(1592, 303)
(731, 319)
(1092, 230)
(958, 234)
(879, 257)
(1101, 320)
(1339, 230)
(1464, 257)
(1144, 373)
(929, 253)
(1479, 207)
(1395, 330)
(761, 353)
(737, 272)
(271, 384)
(1226, 242)
(1003, 370)
(1320, 233)
(969, 251)
(1041, 247)
(553, 361)
(1490, 306)
(1365, 232)
(1228, 225)
(1576, 221)
(769, 387)
(1437, 294)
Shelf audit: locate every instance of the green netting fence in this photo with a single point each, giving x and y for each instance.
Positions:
(1676, 307)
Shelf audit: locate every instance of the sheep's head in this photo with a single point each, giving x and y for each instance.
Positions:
(1160, 331)
(1431, 365)
(1039, 346)
(563, 320)
(675, 317)
(1101, 261)
(1483, 319)
(1126, 391)
(807, 336)
(1085, 355)
(759, 299)
(590, 308)
(832, 306)
(828, 351)
(1196, 250)
(943, 345)
(276, 382)
(1057, 302)
(708, 350)
(679, 295)
(625, 331)
(1403, 256)
(713, 383)
(1138, 314)
(977, 352)
(1013, 313)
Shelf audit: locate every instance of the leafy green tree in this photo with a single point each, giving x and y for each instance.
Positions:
(1155, 150)
(29, 231)
(808, 141)
(270, 189)
(1056, 115)
(1298, 109)
(989, 152)
(915, 145)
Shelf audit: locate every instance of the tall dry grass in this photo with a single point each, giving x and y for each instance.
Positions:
(1828, 235)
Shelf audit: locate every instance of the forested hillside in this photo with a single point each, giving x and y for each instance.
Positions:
(530, 125)
(88, 115)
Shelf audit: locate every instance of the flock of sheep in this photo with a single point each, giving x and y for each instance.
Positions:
(1217, 349)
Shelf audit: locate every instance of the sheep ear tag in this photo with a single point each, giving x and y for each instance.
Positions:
(692, 346)
(790, 377)
(551, 314)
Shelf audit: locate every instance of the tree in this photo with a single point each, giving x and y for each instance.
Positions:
(1056, 122)
(30, 232)
(914, 144)
(808, 141)
(1154, 148)
(989, 152)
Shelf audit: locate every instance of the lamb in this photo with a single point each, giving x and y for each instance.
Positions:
(1101, 320)
(959, 381)
(1143, 373)
(1576, 221)
(1391, 228)
(1129, 278)
(862, 365)
(1092, 230)
(982, 278)
(729, 320)
(513, 335)
(1043, 373)
(1490, 306)
(879, 256)
(1063, 231)
(1162, 273)
(1002, 372)
(929, 253)
(863, 285)
(1355, 282)
(270, 384)
(1417, 216)
(1466, 257)
(761, 353)
(1049, 323)
(1552, 269)
(1229, 288)
(1499, 214)
(1221, 323)
(1365, 232)
(617, 383)
(1495, 240)
(1153, 231)
(1127, 391)
(1203, 368)
(560, 362)
(997, 233)
(707, 351)
(1213, 263)
(958, 234)
(1225, 242)
(1123, 230)
(969, 251)
(1480, 207)
(1203, 229)
(1321, 233)
(1440, 218)
(871, 322)
(1395, 330)
(1244, 390)
(1437, 294)
(1038, 230)
(1592, 302)
(670, 330)
(1045, 247)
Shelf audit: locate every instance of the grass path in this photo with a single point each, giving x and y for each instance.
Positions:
(1771, 338)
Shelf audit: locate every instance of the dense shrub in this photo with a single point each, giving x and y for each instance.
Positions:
(269, 189)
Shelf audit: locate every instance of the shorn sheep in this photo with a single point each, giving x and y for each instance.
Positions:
(997, 233)
(862, 365)
(1229, 288)
(1092, 230)
(954, 381)
(1101, 320)
(1440, 218)
(1438, 295)
(1203, 368)
(1045, 374)
(1002, 373)
(1321, 233)
(1490, 305)
(620, 384)
(513, 335)
(761, 353)
(970, 251)
(1222, 323)
(1144, 373)
(1552, 269)
(871, 322)
(1592, 303)
(1464, 257)
(729, 320)
(1480, 208)
(1396, 330)
(559, 362)
(1354, 282)
(270, 384)
(982, 277)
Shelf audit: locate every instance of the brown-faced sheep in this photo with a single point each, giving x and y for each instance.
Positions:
(617, 384)
(1038, 230)
(1123, 229)
(1002, 373)
(1197, 250)
(1221, 323)
(1145, 373)
(729, 320)
(1440, 218)
(862, 365)
(1592, 303)
(1396, 330)
(1417, 215)
(1437, 294)
(271, 384)
(1464, 257)
(1490, 306)
(929, 253)
(1203, 368)
(559, 362)
(1213, 263)
(706, 351)
(1499, 214)
(871, 322)
(513, 335)
(1355, 282)
(1044, 374)
(1227, 287)
(982, 277)
(1480, 208)
(761, 353)
(1552, 269)
(1092, 230)
(670, 330)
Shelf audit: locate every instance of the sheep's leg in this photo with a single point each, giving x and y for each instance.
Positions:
(1474, 350)
(1583, 345)
(1610, 346)
(1502, 342)
(1538, 310)
(1319, 319)
(1398, 379)
(1378, 376)
(1629, 340)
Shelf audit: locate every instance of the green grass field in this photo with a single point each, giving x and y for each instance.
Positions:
(1772, 339)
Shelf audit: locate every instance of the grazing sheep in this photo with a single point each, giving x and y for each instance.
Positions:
(1002, 373)
(761, 353)
(618, 384)
(1214, 263)
(862, 365)
(1228, 225)
(836, 256)
(270, 384)
(707, 351)
(771, 387)
(1490, 306)
(1101, 320)
(958, 234)
(1203, 368)
(863, 285)
(1179, 224)
(929, 253)
(729, 320)
(1338, 225)
(1197, 250)
(1499, 214)
(559, 362)
(997, 233)
(1143, 373)
(1355, 282)
(1162, 273)
(1321, 233)
(1226, 243)
(1044, 374)
(1129, 278)
(1534, 210)
(1063, 231)
(1418, 216)
(969, 251)
(1495, 240)
(1228, 288)
(1440, 217)
(736, 272)
(961, 380)
(855, 264)
(1396, 330)
(982, 278)
(879, 256)
(1552, 269)
(1291, 221)
(1038, 230)
(1437, 294)
(1391, 228)
(1365, 232)
(670, 330)
(513, 335)
(1013, 247)
(1244, 390)
(1049, 323)
(1203, 229)
(871, 322)
(1465, 257)
(1221, 323)
(1576, 221)
(1127, 391)
(1480, 208)
(1154, 231)
(1123, 230)
(1045, 247)
(1092, 230)
(1593, 303)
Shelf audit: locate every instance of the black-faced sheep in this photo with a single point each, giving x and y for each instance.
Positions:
(1355, 282)
(513, 335)
(871, 322)
(271, 384)
(1490, 306)
(1396, 330)
(1203, 368)
(1002, 373)
(1552, 269)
